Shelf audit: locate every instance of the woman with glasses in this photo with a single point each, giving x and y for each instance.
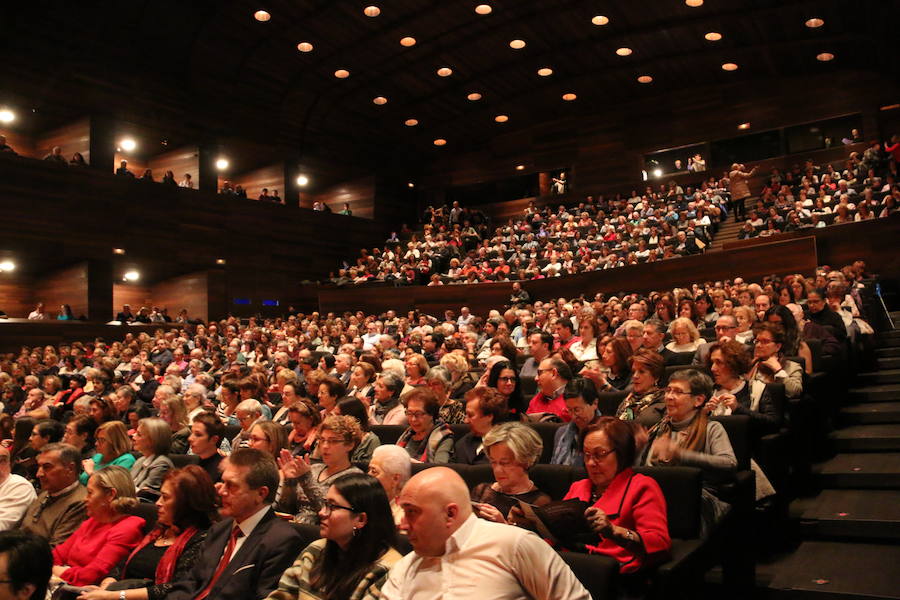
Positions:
(503, 378)
(427, 439)
(268, 437)
(512, 448)
(687, 437)
(769, 364)
(303, 485)
(304, 419)
(626, 510)
(356, 551)
(581, 402)
(113, 448)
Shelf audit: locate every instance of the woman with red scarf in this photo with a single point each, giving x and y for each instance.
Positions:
(187, 508)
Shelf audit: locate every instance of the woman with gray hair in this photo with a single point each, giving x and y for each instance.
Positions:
(513, 448)
(386, 408)
(391, 466)
(451, 412)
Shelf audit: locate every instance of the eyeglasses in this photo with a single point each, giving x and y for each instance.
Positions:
(507, 379)
(415, 414)
(539, 371)
(677, 392)
(256, 438)
(328, 507)
(597, 456)
(331, 441)
(725, 327)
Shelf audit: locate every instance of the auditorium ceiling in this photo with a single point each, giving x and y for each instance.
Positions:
(208, 69)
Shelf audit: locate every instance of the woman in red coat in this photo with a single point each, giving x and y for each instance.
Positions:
(107, 536)
(627, 510)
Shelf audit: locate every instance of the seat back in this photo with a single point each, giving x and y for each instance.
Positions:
(682, 488)
(183, 460)
(388, 434)
(547, 431)
(459, 430)
(555, 480)
(146, 511)
(608, 402)
(738, 429)
(528, 386)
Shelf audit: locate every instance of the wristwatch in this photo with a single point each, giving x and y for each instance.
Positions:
(122, 595)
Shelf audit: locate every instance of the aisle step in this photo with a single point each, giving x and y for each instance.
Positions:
(889, 362)
(867, 438)
(854, 515)
(871, 413)
(860, 470)
(887, 352)
(832, 570)
(878, 377)
(875, 393)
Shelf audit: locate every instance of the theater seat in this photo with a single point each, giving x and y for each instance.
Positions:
(608, 402)
(547, 431)
(598, 574)
(388, 434)
(529, 387)
(147, 512)
(183, 460)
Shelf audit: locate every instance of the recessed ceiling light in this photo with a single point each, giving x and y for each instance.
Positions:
(131, 276)
(410, 184)
(379, 100)
(569, 96)
(520, 167)
(128, 144)
(7, 116)
(501, 118)
(744, 126)
(445, 71)
(694, 3)
(302, 180)
(220, 261)
(483, 9)
(713, 36)
(118, 250)
(645, 79)
(372, 11)
(262, 16)
(222, 164)
(408, 41)
(440, 142)
(411, 122)
(814, 22)
(305, 47)
(7, 265)
(600, 20)
(517, 44)
(342, 73)
(624, 51)
(474, 96)
(825, 56)
(729, 67)
(545, 71)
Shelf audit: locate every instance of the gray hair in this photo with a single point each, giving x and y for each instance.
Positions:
(196, 389)
(160, 434)
(251, 406)
(393, 382)
(394, 461)
(523, 441)
(439, 373)
(657, 325)
(700, 383)
(68, 454)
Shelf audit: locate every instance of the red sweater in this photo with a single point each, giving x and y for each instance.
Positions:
(640, 507)
(542, 404)
(95, 548)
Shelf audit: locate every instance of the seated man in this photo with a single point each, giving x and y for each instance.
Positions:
(454, 549)
(246, 553)
(552, 376)
(16, 494)
(59, 509)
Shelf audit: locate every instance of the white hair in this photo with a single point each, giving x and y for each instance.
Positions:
(394, 461)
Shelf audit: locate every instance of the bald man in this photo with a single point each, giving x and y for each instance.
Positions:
(456, 555)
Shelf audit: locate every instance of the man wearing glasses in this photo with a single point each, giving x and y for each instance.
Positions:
(726, 327)
(59, 509)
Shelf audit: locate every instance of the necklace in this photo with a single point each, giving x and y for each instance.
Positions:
(527, 487)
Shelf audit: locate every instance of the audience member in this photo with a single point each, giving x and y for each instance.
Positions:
(60, 507)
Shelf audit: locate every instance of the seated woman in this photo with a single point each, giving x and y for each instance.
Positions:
(733, 394)
(172, 410)
(362, 378)
(627, 510)
(485, 407)
(330, 390)
(187, 507)
(685, 340)
(794, 345)
(461, 381)
(386, 408)
(353, 407)
(581, 401)
(645, 404)
(207, 432)
(513, 448)
(303, 486)
(151, 440)
(113, 448)
(416, 367)
(427, 439)
(745, 319)
(268, 437)
(392, 467)
(585, 349)
(504, 379)
(107, 536)
(769, 364)
(613, 373)
(438, 381)
(687, 437)
(305, 420)
(80, 434)
(356, 551)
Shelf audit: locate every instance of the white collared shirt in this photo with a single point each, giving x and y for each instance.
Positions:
(487, 561)
(247, 526)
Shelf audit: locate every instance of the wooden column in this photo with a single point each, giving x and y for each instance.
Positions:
(100, 290)
(102, 144)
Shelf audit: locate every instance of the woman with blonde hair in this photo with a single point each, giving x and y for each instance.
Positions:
(685, 336)
(113, 448)
(107, 536)
(152, 440)
(460, 380)
(173, 411)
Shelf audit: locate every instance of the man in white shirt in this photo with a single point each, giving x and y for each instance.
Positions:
(38, 313)
(16, 494)
(457, 555)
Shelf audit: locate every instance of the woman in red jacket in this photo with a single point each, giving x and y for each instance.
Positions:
(627, 510)
(108, 535)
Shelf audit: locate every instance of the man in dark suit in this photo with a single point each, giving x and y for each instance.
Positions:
(246, 554)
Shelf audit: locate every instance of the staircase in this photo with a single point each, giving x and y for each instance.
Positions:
(728, 230)
(851, 530)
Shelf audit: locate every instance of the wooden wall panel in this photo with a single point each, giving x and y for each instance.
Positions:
(187, 291)
(16, 333)
(135, 295)
(359, 193)
(72, 138)
(22, 143)
(16, 295)
(253, 182)
(181, 161)
(65, 286)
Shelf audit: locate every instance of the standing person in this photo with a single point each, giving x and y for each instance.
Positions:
(246, 553)
(490, 561)
(740, 189)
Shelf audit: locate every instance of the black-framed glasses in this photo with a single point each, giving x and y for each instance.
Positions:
(507, 379)
(328, 507)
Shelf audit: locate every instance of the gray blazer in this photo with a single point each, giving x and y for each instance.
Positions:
(148, 473)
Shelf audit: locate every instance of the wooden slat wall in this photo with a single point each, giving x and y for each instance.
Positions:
(181, 161)
(16, 295)
(72, 138)
(360, 193)
(790, 256)
(127, 293)
(271, 177)
(22, 143)
(66, 286)
(16, 333)
(187, 291)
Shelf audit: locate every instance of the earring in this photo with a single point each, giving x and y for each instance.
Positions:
(355, 531)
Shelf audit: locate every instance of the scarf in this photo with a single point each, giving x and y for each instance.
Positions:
(381, 410)
(633, 404)
(438, 433)
(166, 567)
